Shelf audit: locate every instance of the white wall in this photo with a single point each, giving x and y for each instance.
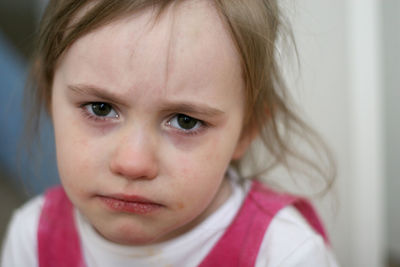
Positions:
(340, 83)
(391, 26)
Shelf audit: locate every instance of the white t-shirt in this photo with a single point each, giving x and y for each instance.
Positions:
(289, 240)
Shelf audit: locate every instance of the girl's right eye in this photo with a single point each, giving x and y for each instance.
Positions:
(100, 110)
(186, 124)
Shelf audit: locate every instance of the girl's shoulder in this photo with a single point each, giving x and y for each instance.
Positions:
(289, 239)
(19, 245)
(294, 235)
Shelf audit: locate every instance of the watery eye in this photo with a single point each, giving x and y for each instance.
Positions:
(101, 109)
(184, 122)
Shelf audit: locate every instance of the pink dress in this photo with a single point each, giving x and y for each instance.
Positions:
(59, 242)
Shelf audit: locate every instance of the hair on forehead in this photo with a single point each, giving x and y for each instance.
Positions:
(82, 17)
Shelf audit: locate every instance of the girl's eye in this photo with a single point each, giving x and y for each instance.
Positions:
(101, 110)
(185, 123)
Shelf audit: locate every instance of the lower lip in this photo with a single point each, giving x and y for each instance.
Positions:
(120, 205)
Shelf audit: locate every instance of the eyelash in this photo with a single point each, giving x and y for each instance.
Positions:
(203, 125)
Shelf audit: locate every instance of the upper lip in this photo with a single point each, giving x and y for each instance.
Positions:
(131, 198)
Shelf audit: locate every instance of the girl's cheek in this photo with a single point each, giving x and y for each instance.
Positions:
(78, 155)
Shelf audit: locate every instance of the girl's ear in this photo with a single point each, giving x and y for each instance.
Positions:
(244, 143)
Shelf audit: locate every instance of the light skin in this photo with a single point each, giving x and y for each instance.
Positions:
(151, 108)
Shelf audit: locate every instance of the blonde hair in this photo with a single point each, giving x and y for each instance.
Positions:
(255, 26)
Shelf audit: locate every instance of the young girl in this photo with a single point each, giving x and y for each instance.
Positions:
(153, 103)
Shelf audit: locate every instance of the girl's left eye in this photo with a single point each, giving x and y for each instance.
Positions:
(100, 110)
(185, 123)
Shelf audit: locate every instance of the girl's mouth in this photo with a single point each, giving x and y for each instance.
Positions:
(130, 204)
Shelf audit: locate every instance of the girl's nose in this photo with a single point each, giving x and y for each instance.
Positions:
(135, 158)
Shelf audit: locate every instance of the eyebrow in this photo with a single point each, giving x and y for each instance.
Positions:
(200, 109)
(98, 92)
(192, 108)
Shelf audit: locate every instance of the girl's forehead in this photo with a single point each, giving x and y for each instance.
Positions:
(142, 50)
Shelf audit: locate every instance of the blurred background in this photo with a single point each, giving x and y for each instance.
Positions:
(347, 87)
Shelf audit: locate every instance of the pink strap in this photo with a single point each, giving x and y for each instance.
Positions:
(237, 247)
(58, 240)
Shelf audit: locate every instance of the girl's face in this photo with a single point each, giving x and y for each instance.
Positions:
(147, 117)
